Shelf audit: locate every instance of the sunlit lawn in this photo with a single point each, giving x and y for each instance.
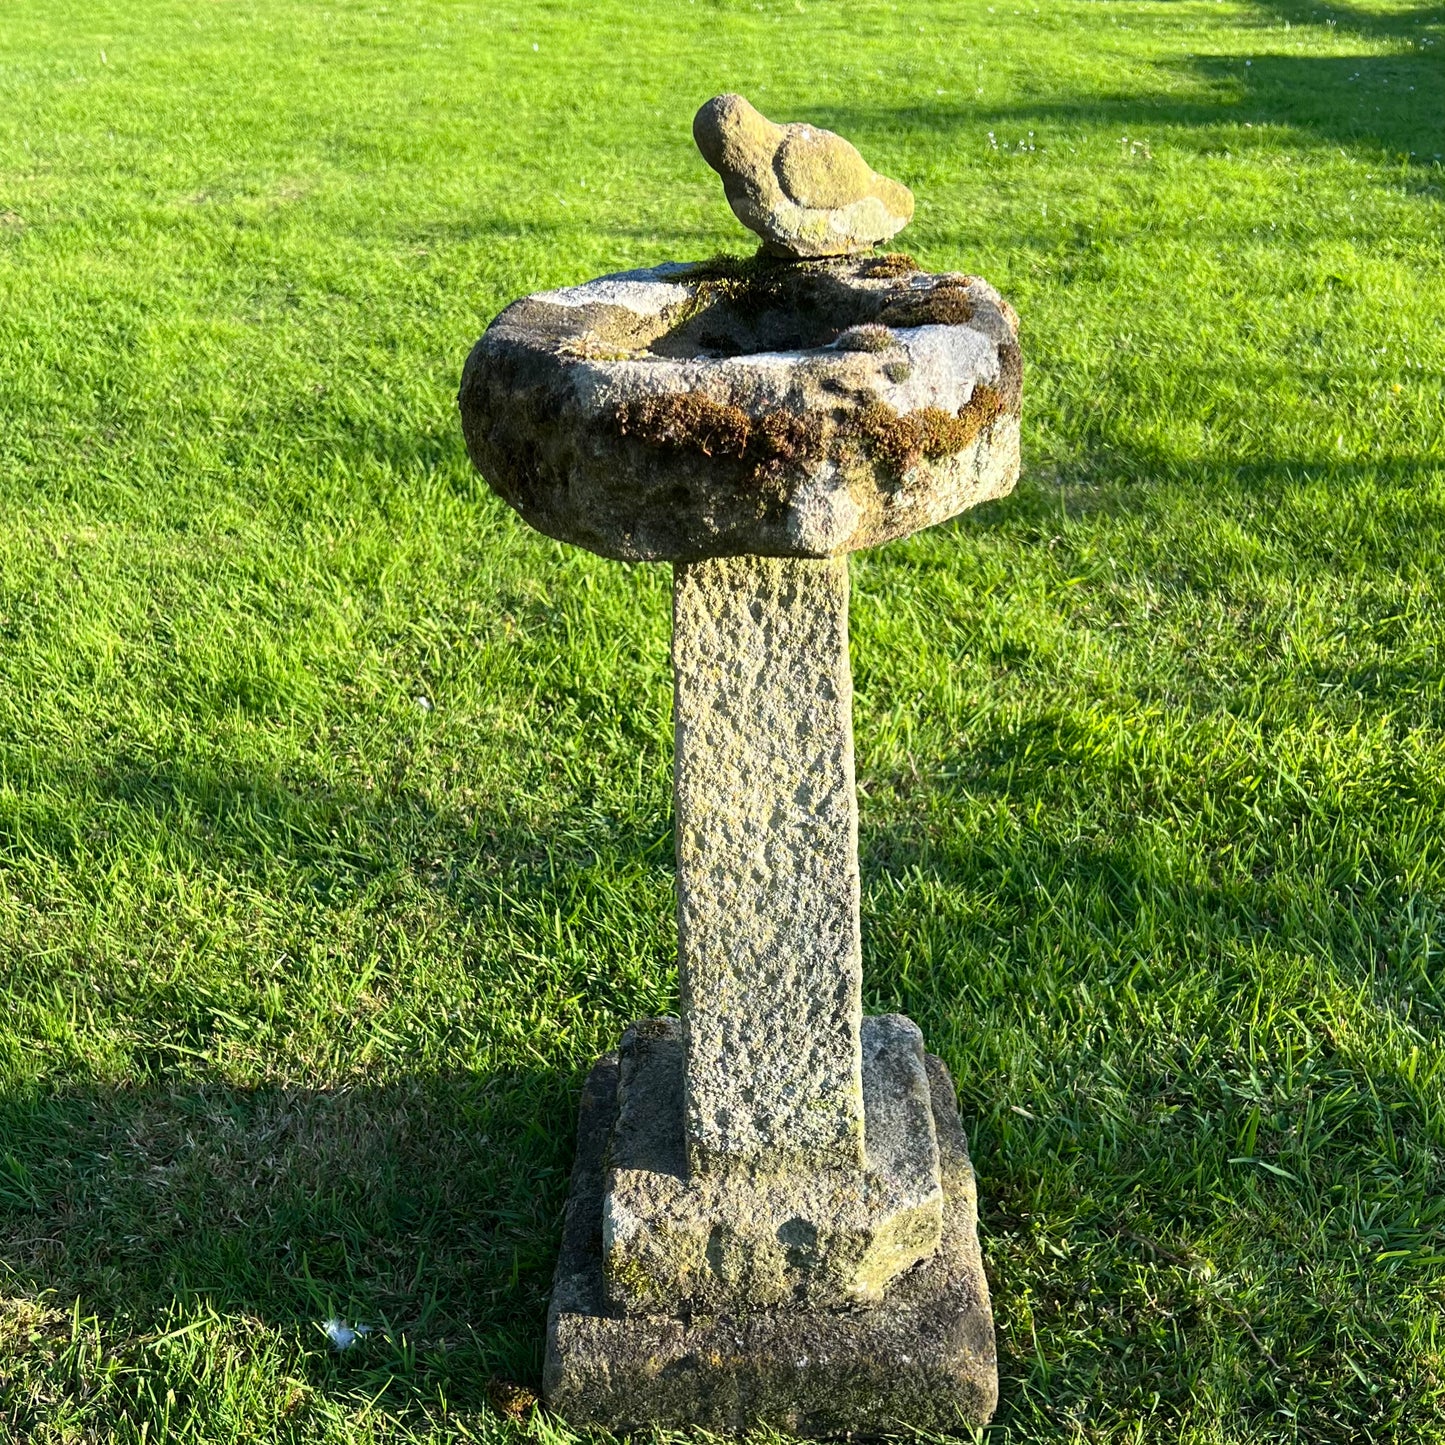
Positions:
(334, 803)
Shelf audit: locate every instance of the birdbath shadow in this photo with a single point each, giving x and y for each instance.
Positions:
(773, 1218)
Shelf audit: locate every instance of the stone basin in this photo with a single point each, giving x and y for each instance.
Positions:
(735, 407)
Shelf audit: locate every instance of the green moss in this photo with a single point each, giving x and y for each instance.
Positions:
(869, 337)
(946, 305)
(725, 277)
(626, 1277)
(726, 267)
(902, 441)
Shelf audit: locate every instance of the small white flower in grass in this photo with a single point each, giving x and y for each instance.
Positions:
(423, 702)
(343, 1335)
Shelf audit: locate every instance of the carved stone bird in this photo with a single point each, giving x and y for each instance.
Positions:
(805, 191)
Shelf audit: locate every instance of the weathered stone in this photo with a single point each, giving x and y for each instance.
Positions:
(788, 410)
(769, 944)
(805, 191)
(923, 1358)
(772, 1219)
(755, 1235)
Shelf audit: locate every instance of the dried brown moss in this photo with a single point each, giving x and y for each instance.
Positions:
(1011, 375)
(869, 337)
(685, 420)
(780, 440)
(891, 263)
(737, 289)
(781, 437)
(947, 305)
(903, 441)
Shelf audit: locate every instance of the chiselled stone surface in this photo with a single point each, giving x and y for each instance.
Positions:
(800, 409)
(923, 1358)
(804, 190)
(767, 864)
(752, 1236)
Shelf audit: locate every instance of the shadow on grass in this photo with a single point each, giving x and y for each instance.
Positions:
(1380, 102)
(426, 1211)
(426, 1207)
(1406, 24)
(431, 1205)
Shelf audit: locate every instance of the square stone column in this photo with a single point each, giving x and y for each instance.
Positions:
(770, 950)
(785, 1202)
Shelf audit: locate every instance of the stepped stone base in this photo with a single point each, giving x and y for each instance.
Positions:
(923, 1358)
(812, 1234)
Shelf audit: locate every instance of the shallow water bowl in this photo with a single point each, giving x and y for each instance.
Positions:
(788, 409)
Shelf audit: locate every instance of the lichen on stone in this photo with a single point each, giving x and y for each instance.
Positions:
(588, 348)
(804, 190)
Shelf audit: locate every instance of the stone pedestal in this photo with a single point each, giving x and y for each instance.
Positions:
(771, 1167)
(923, 1359)
(772, 1219)
(767, 864)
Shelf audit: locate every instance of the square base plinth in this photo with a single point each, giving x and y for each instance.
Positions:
(922, 1358)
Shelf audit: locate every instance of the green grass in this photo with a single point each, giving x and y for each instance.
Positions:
(302, 974)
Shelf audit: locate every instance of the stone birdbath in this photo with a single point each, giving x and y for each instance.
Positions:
(772, 1219)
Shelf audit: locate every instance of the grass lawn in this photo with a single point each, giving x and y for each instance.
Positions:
(334, 803)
